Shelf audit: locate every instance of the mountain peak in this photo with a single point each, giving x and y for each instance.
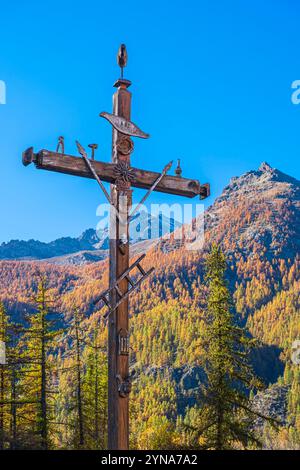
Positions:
(259, 208)
(265, 167)
(89, 236)
(263, 180)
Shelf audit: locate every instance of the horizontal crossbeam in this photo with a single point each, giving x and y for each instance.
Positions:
(68, 164)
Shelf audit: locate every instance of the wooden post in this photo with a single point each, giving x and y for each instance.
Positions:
(118, 365)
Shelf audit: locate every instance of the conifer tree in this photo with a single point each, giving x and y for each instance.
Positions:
(71, 401)
(78, 366)
(81, 403)
(95, 392)
(3, 372)
(226, 419)
(14, 367)
(8, 380)
(13, 397)
(36, 381)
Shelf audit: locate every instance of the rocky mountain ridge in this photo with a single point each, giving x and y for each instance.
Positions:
(91, 246)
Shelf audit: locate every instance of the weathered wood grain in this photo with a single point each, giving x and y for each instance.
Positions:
(118, 365)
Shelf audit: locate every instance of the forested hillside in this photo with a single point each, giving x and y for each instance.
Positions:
(256, 222)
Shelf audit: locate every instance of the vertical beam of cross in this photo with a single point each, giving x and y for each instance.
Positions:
(118, 365)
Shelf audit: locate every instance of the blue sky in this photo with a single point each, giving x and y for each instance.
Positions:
(211, 84)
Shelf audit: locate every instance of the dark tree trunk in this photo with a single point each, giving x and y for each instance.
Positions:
(44, 430)
(96, 402)
(13, 411)
(1, 407)
(79, 391)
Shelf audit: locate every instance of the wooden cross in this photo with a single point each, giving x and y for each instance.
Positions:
(122, 178)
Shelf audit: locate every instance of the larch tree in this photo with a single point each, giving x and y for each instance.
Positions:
(9, 367)
(14, 368)
(78, 346)
(3, 374)
(36, 377)
(70, 400)
(95, 392)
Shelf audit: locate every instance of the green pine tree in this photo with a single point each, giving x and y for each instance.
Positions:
(225, 421)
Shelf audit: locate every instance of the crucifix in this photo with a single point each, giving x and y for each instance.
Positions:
(122, 282)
